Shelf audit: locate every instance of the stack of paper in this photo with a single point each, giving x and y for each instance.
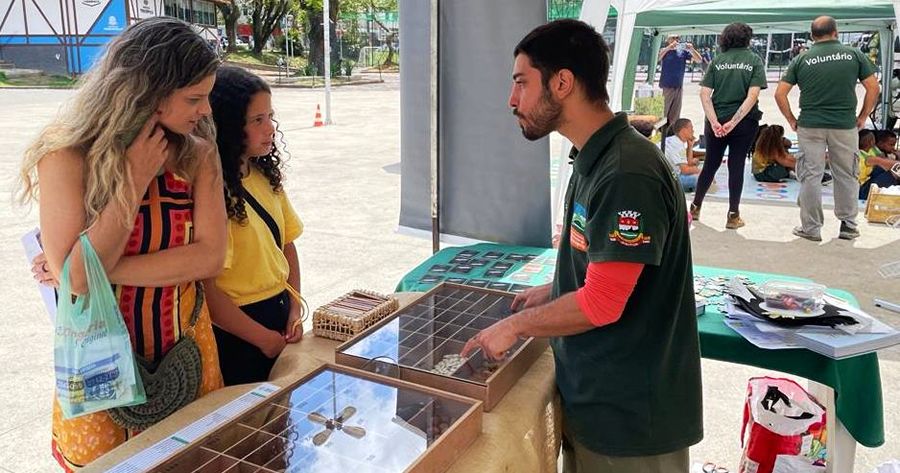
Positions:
(846, 341)
(837, 344)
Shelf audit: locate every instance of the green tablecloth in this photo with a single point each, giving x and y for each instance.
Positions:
(856, 381)
(539, 271)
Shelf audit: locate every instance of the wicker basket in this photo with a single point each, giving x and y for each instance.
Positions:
(881, 206)
(350, 314)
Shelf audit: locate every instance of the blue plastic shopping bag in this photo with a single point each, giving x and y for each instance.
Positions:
(95, 367)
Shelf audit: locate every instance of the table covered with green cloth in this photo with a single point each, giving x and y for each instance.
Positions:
(856, 381)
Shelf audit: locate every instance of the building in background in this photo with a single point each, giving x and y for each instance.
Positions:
(66, 36)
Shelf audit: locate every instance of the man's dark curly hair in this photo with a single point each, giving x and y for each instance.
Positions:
(229, 99)
(735, 35)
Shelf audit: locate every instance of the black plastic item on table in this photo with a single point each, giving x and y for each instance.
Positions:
(831, 318)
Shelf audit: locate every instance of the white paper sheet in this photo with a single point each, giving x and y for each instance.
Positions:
(32, 243)
(765, 340)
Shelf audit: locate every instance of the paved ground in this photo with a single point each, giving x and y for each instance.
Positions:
(344, 181)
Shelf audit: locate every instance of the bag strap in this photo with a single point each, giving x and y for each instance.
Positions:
(276, 234)
(198, 304)
(265, 216)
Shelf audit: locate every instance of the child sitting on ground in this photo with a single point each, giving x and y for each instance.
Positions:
(877, 158)
(771, 160)
(680, 153)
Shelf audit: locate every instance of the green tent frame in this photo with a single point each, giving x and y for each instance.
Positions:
(636, 17)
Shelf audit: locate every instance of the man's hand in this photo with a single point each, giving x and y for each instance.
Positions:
(531, 297)
(793, 123)
(860, 122)
(494, 341)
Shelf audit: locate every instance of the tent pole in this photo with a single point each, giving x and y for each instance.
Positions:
(634, 50)
(434, 145)
(768, 52)
(654, 56)
(326, 18)
(886, 36)
(595, 13)
(624, 30)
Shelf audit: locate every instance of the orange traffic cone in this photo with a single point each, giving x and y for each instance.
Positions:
(318, 121)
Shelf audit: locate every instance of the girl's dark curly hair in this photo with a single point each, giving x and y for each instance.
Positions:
(735, 35)
(229, 99)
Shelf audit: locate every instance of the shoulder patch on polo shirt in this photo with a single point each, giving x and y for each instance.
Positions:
(629, 231)
(576, 232)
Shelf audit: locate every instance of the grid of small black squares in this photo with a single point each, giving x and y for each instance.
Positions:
(277, 436)
(438, 326)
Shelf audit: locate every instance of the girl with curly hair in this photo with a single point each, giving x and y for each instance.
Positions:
(132, 163)
(255, 302)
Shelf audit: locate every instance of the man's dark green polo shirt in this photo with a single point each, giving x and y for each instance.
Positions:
(631, 388)
(827, 76)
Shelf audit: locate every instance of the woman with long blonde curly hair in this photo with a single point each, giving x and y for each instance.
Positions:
(132, 163)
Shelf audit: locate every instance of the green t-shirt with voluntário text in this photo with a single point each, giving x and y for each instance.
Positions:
(827, 76)
(730, 75)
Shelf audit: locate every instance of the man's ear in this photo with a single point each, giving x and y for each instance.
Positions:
(562, 84)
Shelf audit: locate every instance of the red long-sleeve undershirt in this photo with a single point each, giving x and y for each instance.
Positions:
(607, 287)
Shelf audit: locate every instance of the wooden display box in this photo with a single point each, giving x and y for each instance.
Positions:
(251, 443)
(881, 206)
(408, 342)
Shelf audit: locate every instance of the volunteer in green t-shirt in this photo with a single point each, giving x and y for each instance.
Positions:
(620, 311)
(729, 93)
(827, 74)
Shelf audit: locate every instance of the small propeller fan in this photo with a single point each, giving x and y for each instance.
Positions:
(336, 423)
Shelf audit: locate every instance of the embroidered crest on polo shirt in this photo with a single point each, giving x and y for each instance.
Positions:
(576, 230)
(629, 231)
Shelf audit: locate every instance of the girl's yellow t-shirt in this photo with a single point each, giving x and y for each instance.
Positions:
(255, 269)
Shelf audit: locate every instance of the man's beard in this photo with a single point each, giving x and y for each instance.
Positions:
(543, 120)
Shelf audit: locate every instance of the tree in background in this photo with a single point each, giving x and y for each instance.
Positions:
(370, 8)
(265, 16)
(315, 32)
(231, 13)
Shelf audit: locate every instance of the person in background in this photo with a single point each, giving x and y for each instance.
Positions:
(673, 58)
(680, 153)
(729, 93)
(771, 160)
(878, 162)
(255, 303)
(827, 75)
(644, 127)
(706, 57)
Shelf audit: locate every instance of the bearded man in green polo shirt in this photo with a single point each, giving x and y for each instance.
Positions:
(827, 74)
(620, 311)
